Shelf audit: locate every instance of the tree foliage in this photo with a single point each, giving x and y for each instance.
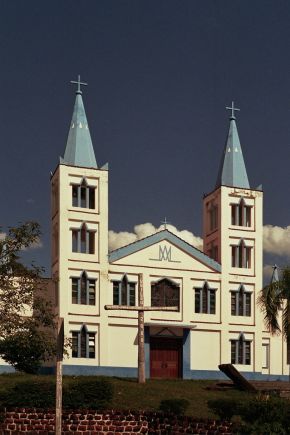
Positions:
(275, 298)
(27, 321)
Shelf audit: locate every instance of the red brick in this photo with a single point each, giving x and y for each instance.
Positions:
(92, 422)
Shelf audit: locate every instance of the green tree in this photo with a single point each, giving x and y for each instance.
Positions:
(27, 321)
(274, 299)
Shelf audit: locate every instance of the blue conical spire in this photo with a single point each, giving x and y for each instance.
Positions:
(275, 274)
(79, 149)
(232, 171)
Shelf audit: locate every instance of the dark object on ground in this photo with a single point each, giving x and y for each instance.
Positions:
(237, 378)
(174, 406)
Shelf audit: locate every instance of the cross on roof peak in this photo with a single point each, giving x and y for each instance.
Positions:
(165, 223)
(79, 83)
(233, 109)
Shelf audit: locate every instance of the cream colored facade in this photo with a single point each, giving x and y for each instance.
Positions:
(206, 337)
(218, 320)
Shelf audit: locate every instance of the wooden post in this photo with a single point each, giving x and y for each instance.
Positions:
(141, 350)
(58, 395)
(140, 308)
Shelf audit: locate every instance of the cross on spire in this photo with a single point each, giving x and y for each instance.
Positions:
(232, 108)
(79, 83)
(165, 223)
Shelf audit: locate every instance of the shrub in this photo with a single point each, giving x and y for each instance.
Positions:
(88, 393)
(81, 393)
(174, 406)
(224, 408)
(259, 416)
(29, 394)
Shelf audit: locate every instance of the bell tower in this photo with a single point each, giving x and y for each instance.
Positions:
(232, 234)
(79, 220)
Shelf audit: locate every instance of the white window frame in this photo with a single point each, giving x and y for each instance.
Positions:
(239, 214)
(79, 289)
(236, 294)
(88, 232)
(88, 336)
(88, 190)
(120, 282)
(236, 344)
(205, 292)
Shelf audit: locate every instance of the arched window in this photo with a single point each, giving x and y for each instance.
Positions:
(241, 255)
(83, 290)
(240, 302)
(241, 350)
(83, 195)
(124, 292)
(205, 299)
(83, 240)
(241, 214)
(165, 293)
(213, 215)
(83, 343)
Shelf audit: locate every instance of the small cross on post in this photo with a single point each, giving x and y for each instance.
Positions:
(165, 223)
(79, 83)
(140, 308)
(233, 109)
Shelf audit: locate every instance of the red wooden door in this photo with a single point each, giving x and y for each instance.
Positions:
(165, 357)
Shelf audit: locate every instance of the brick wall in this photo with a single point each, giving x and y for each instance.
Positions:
(31, 421)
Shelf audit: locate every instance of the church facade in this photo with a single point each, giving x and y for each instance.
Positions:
(215, 291)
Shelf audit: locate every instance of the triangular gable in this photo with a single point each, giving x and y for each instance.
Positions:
(164, 235)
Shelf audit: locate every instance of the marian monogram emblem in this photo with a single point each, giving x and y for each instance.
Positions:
(164, 253)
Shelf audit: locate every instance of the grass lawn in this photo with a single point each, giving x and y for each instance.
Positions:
(128, 394)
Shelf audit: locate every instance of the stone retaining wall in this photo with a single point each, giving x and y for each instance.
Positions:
(31, 421)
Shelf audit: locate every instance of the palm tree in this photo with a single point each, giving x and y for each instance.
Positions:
(274, 299)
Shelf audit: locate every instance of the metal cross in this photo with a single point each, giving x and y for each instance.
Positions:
(79, 83)
(233, 108)
(165, 222)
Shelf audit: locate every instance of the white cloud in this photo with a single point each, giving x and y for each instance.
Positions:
(116, 240)
(37, 244)
(276, 240)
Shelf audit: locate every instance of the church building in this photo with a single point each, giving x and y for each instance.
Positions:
(217, 319)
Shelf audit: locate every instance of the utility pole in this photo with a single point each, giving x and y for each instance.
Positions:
(58, 395)
(140, 308)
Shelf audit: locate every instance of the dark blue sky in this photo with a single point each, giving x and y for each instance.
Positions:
(160, 74)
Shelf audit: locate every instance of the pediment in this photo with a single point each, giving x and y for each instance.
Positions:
(164, 250)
